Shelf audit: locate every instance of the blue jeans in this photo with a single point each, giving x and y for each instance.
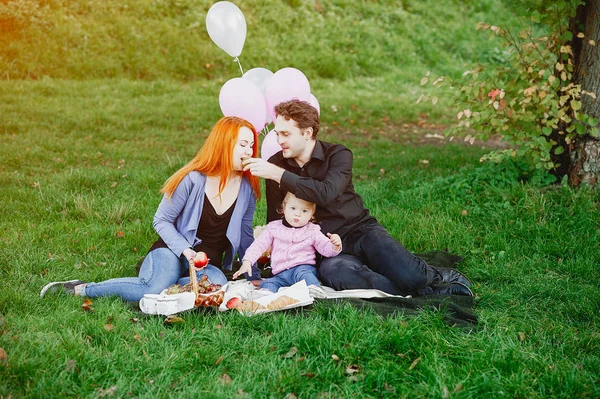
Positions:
(377, 261)
(290, 277)
(161, 268)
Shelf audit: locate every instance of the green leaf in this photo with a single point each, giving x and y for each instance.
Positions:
(547, 130)
(593, 122)
(576, 105)
(559, 150)
(580, 128)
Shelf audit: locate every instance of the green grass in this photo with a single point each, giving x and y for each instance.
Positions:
(82, 161)
(118, 95)
(334, 39)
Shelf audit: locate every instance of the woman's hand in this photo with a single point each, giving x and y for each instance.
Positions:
(189, 254)
(245, 268)
(336, 241)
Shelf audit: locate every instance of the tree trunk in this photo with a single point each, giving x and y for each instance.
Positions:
(584, 167)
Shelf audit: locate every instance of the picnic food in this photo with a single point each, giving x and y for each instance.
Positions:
(204, 287)
(210, 300)
(281, 302)
(250, 306)
(233, 303)
(200, 260)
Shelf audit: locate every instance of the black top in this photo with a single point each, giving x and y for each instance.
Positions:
(326, 179)
(212, 230)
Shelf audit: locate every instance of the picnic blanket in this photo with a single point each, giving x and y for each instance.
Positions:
(456, 310)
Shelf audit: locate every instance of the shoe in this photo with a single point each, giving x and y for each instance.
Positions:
(450, 275)
(67, 286)
(316, 292)
(446, 289)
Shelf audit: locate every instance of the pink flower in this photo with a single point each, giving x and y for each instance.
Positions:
(494, 93)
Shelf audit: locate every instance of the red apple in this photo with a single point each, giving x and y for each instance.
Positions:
(233, 302)
(200, 260)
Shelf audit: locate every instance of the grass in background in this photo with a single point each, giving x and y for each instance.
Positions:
(167, 39)
(82, 163)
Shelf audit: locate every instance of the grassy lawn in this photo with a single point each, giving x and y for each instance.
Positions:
(82, 163)
(101, 101)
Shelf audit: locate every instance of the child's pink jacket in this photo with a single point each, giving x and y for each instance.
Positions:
(290, 246)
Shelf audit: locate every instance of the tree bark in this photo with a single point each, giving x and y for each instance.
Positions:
(584, 167)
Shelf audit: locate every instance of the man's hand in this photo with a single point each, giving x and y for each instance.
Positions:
(336, 241)
(245, 268)
(261, 168)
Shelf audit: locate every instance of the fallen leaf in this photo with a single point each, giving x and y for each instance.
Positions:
(352, 369)
(218, 326)
(107, 392)
(522, 336)
(291, 396)
(445, 392)
(309, 375)
(135, 320)
(457, 388)
(464, 212)
(109, 327)
(87, 305)
(225, 379)
(240, 392)
(423, 161)
(173, 320)
(219, 360)
(137, 337)
(335, 357)
(415, 362)
(120, 234)
(388, 387)
(291, 353)
(3, 357)
(71, 366)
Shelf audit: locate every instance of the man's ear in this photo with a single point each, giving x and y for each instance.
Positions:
(308, 133)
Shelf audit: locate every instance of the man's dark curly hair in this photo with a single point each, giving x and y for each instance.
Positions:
(304, 114)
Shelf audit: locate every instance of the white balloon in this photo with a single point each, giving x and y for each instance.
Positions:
(226, 27)
(315, 103)
(259, 76)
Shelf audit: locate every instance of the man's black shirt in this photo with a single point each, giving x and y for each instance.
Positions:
(326, 179)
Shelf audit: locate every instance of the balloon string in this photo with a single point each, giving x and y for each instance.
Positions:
(240, 65)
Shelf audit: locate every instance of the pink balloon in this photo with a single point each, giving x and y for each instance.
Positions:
(315, 103)
(269, 146)
(286, 84)
(242, 98)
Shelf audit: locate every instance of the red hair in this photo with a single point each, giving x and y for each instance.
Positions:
(216, 156)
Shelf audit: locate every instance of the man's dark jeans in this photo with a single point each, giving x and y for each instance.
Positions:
(377, 261)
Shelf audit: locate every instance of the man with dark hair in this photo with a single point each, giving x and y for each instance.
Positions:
(321, 172)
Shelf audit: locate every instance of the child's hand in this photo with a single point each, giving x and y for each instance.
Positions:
(336, 241)
(245, 268)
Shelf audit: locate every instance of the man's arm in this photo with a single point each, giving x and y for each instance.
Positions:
(274, 199)
(337, 178)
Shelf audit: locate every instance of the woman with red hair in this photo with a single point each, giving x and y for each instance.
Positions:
(208, 205)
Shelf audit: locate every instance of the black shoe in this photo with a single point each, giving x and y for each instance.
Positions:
(446, 289)
(450, 275)
(67, 286)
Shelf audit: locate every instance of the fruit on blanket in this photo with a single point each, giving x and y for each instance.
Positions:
(200, 260)
(204, 287)
(233, 303)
